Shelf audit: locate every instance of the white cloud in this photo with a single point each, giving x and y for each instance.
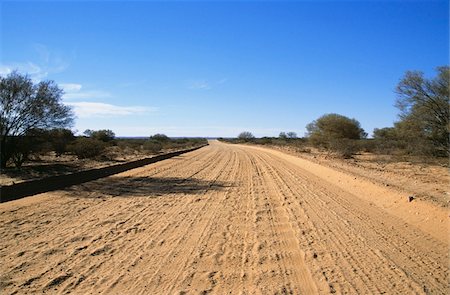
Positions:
(86, 94)
(85, 109)
(71, 87)
(74, 91)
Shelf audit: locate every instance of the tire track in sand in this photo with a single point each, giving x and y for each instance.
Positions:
(218, 220)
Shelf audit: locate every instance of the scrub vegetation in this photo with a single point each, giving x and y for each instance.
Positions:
(422, 131)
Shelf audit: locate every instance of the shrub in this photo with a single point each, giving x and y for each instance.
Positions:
(265, 140)
(367, 145)
(152, 146)
(291, 134)
(59, 139)
(23, 149)
(160, 137)
(104, 135)
(344, 147)
(336, 133)
(246, 136)
(87, 148)
(331, 127)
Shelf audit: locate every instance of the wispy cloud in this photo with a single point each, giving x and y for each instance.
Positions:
(48, 62)
(71, 87)
(90, 94)
(36, 72)
(89, 109)
(204, 84)
(75, 91)
(199, 84)
(84, 109)
(222, 81)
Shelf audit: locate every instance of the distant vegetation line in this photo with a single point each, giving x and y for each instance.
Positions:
(423, 129)
(34, 121)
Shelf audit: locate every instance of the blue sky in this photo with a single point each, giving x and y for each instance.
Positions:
(215, 68)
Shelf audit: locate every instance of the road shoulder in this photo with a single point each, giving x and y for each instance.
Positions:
(423, 215)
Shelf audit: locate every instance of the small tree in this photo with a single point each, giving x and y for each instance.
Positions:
(35, 141)
(25, 106)
(386, 133)
(85, 148)
(335, 132)
(246, 136)
(291, 134)
(160, 137)
(152, 146)
(23, 149)
(59, 139)
(104, 135)
(424, 104)
(88, 132)
(282, 135)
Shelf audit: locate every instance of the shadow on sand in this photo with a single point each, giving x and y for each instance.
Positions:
(24, 189)
(145, 187)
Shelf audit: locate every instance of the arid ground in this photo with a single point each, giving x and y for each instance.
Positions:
(225, 219)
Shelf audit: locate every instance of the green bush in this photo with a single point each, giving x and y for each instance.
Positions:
(343, 147)
(246, 136)
(104, 135)
(87, 148)
(160, 137)
(333, 127)
(424, 112)
(59, 139)
(152, 146)
(336, 133)
(264, 140)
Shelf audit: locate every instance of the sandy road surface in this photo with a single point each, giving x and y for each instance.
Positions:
(223, 219)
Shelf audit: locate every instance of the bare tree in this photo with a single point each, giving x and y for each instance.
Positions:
(291, 134)
(25, 106)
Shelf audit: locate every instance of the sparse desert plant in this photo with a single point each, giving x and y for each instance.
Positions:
(130, 143)
(291, 134)
(152, 146)
(160, 137)
(344, 147)
(386, 141)
(105, 135)
(246, 136)
(367, 145)
(59, 139)
(265, 140)
(23, 149)
(87, 148)
(331, 130)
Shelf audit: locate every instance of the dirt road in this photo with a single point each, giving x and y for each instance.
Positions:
(224, 219)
